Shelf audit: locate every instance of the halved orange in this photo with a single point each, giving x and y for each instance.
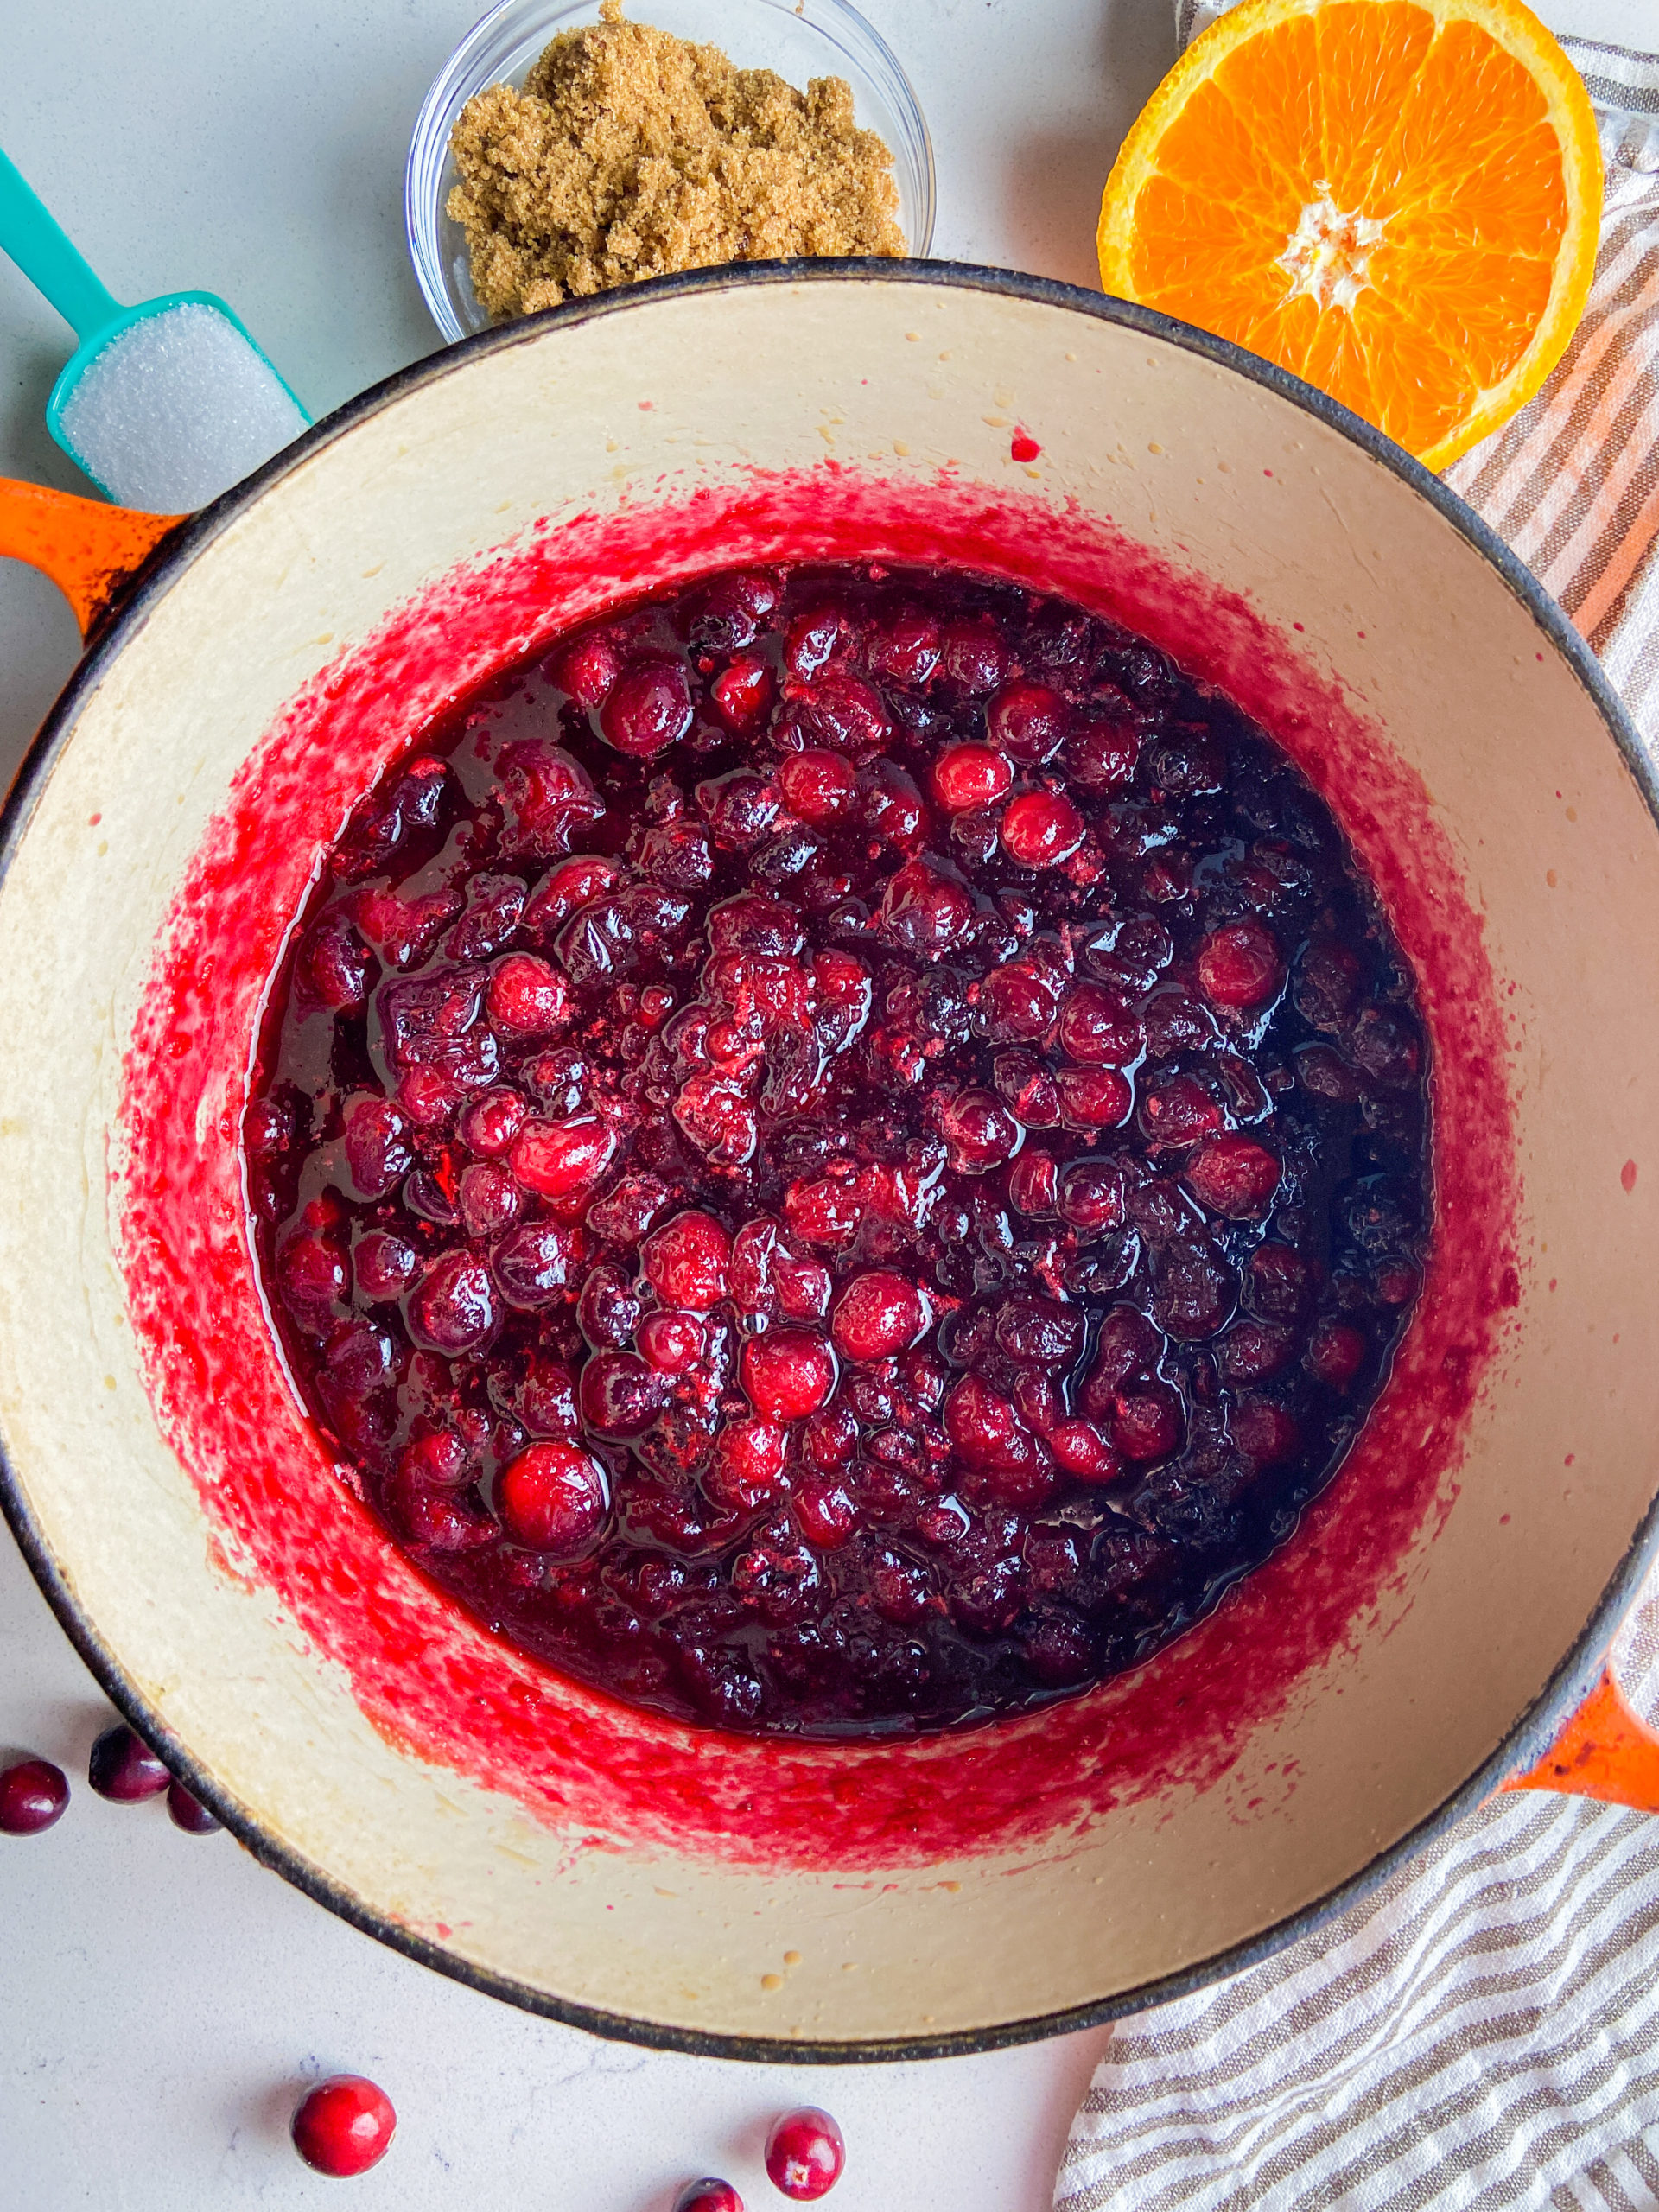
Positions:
(1398, 200)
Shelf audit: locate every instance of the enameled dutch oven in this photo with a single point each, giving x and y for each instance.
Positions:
(1445, 1606)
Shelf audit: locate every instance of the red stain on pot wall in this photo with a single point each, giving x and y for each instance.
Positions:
(425, 1674)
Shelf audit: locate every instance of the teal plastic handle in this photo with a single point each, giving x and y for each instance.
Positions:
(52, 264)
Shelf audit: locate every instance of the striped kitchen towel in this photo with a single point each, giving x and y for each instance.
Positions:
(1484, 2031)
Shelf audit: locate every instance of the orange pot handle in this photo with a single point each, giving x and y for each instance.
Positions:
(88, 547)
(1605, 1750)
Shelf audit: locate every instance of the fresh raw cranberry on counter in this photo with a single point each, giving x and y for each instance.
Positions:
(709, 2195)
(805, 2153)
(32, 1795)
(187, 1812)
(344, 2126)
(123, 1768)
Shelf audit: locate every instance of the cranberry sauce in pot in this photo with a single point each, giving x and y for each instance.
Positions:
(843, 1153)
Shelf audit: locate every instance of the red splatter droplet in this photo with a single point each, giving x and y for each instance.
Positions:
(1267, 472)
(1503, 1520)
(1023, 447)
(94, 819)
(646, 406)
(1570, 1458)
(1627, 1174)
(1295, 625)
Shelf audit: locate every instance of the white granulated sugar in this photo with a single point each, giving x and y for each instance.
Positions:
(176, 410)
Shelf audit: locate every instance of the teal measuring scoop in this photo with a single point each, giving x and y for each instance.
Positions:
(165, 405)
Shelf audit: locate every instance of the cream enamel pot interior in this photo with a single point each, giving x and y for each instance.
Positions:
(1428, 1632)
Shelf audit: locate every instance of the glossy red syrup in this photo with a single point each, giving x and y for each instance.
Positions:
(843, 1151)
(422, 1670)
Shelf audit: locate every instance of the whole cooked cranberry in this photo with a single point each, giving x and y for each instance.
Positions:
(619, 1395)
(979, 1131)
(32, 1795)
(748, 1464)
(383, 1266)
(1028, 721)
(608, 1310)
(827, 1512)
(1102, 755)
(532, 1265)
(1093, 1098)
(805, 2154)
(123, 1768)
(685, 1260)
(1039, 1331)
(186, 1811)
(1083, 1453)
(1018, 1001)
(813, 638)
(1147, 1422)
(829, 1439)
(892, 805)
(1266, 1433)
(1092, 1195)
(552, 1498)
(526, 998)
(973, 655)
(1097, 1029)
(587, 668)
(1234, 1176)
(488, 1200)
(1387, 1046)
(1252, 1351)
(311, 1276)
(1278, 1283)
(570, 884)
(1193, 1290)
(968, 776)
(452, 1309)
(877, 1315)
(804, 1287)
(1327, 984)
(671, 1342)
(817, 785)
(1041, 828)
(649, 707)
(905, 648)
(1034, 1184)
(1241, 965)
(744, 692)
(1023, 1084)
(344, 2126)
(925, 911)
(984, 1426)
(557, 1159)
(708, 2195)
(1180, 1112)
(1336, 1352)
(788, 1373)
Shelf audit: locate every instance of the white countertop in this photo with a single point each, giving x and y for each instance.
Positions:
(164, 1996)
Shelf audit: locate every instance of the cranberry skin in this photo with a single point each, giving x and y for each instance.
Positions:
(1179, 1113)
(533, 1265)
(558, 1159)
(186, 1811)
(489, 1199)
(979, 1132)
(573, 883)
(344, 2126)
(968, 775)
(1041, 829)
(526, 998)
(708, 2195)
(671, 1342)
(1028, 721)
(452, 1309)
(805, 2154)
(1241, 966)
(33, 1796)
(686, 1260)
(1235, 1176)
(788, 1373)
(1092, 1195)
(619, 1395)
(552, 1498)
(123, 1768)
(607, 1313)
(649, 707)
(923, 911)
(818, 787)
(878, 1315)
(1034, 1185)
(1025, 1086)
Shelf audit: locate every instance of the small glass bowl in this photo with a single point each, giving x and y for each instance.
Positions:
(800, 39)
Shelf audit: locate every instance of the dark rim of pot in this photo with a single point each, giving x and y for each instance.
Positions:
(1525, 1744)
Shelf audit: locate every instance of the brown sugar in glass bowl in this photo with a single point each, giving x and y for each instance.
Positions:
(631, 153)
